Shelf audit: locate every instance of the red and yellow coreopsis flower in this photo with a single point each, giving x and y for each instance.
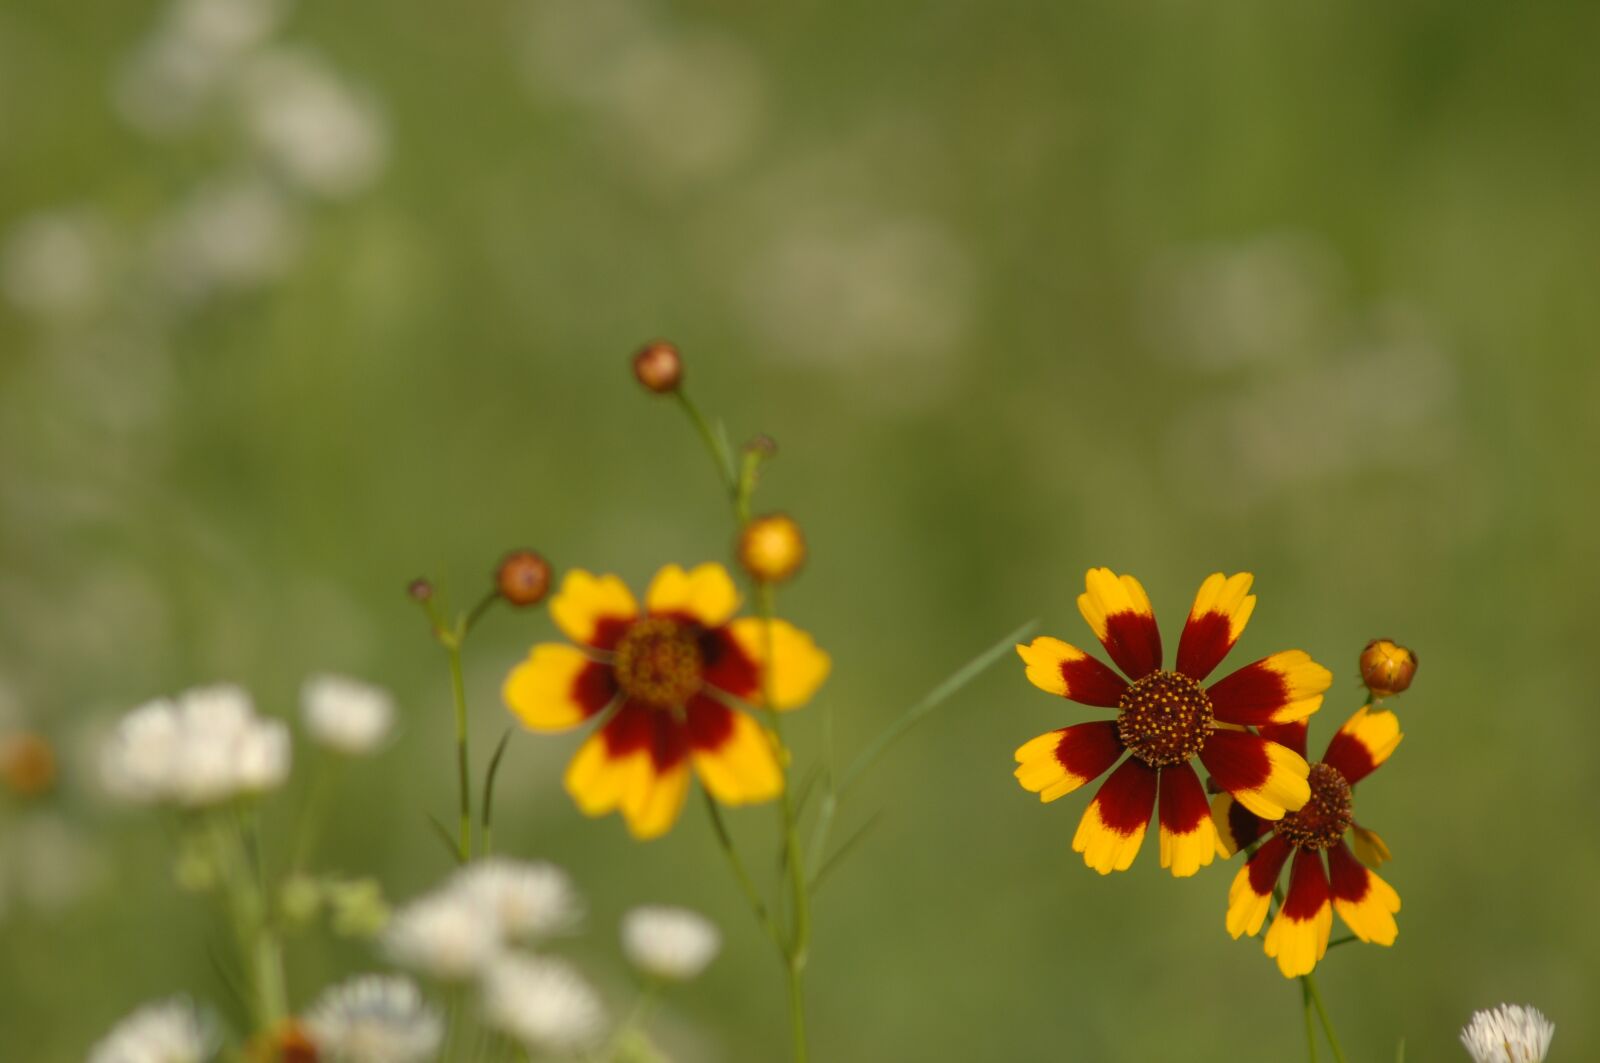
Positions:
(666, 676)
(1298, 937)
(1164, 720)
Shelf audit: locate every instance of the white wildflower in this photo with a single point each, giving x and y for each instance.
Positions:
(172, 1031)
(345, 714)
(233, 234)
(672, 944)
(204, 748)
(57, 264)
(528, 900)
(446, 934)
(225, 27)
(319, 133)
(1510, 1033)
(543, 1003)
(374, 1019)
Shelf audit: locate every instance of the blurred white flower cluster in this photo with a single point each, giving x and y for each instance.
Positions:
(670, 944)
(347, 715)
(374, 1019)
(1510, 1033)
(202, 748)
(171, 1031)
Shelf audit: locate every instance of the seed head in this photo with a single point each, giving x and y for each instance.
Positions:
(772, 548)
(1387, 667)
(659, 367)
(523, 578)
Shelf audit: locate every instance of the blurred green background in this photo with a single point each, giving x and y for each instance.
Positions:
(1297, 290)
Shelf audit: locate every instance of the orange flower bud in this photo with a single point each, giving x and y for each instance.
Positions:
(659, 367)
(27, 764)
(1387, 667)
(772, 548)
(523, 578)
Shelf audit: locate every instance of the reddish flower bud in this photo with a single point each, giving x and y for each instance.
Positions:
(523, 578)
(762, 444)
(659, 367)
(772, 548)
(27, 764)
(420, 590)
(1387, 667)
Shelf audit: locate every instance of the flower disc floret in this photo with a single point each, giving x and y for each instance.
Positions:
(1164, 718)
(1322, 820)
(659, 662)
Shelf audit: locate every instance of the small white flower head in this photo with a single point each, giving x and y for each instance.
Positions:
(172, 1031)
(374, 1019)
(446, 935)
(206, 747)
(1510, 1033)
(57, 264)
(320, 134)
(543, 1003)
(346, 715)
(672, 944)
(232, 234)
(529, 901)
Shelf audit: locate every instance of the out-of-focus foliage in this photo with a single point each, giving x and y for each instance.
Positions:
(320, 298)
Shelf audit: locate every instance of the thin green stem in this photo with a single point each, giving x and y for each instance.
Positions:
(489, 776)
(458, 691)
(1311, 1032)
(715, 444)
(752, 896)
(1322, 1013)
(323, 779)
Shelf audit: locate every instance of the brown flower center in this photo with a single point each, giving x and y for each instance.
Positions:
(1165, 718)
(1325, 817)
(659, 662)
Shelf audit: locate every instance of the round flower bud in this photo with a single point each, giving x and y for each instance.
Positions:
(772, 548)
(1387, 667)
(659, 367)
(523, 578)
(762, 444)
(419, 589)
(27, 764)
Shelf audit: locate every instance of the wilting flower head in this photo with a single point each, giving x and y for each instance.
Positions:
(374, 1019)
(204, 748)
(663, 679)
(345, 714)
(672, 944)
(1166, 718)
(543, 1003)
(172, 1031)
(1510, 1033)
(447, 934)
(1387, 667)
(530, 901)
(1367, 904)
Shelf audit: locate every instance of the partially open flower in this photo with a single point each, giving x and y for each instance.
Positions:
(523, 578)
(1387, 667)
(1510, 1033)
(659, 367)
(772, 548)
(670, 944)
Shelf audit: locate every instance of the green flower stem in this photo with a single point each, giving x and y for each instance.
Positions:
(458, 690)
(1311, 1031)
(1310, 983)
(715, 444)
(324, 772)
(235, 839)
(752, 896)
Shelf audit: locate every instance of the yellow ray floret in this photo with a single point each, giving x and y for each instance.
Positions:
(652, 806)
(540, 690)
(744, 768)
(599, 782)
(705, 592)
(1107, 594)
(586, 599)
(1040, 771)
(1285, 789)
(1372, 917)
(799, 666)
(1247, 909)
(1298, 945)
(1306, 681)
(1104, 849)
(1044, 657)
(1229, 596)
(1220, 804)
(1378, 732)
(1369, 847)
(1187, 853)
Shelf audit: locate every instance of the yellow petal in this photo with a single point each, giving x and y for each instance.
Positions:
(557, 688)
(799, 666)
(590, 608)
(705, 593)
